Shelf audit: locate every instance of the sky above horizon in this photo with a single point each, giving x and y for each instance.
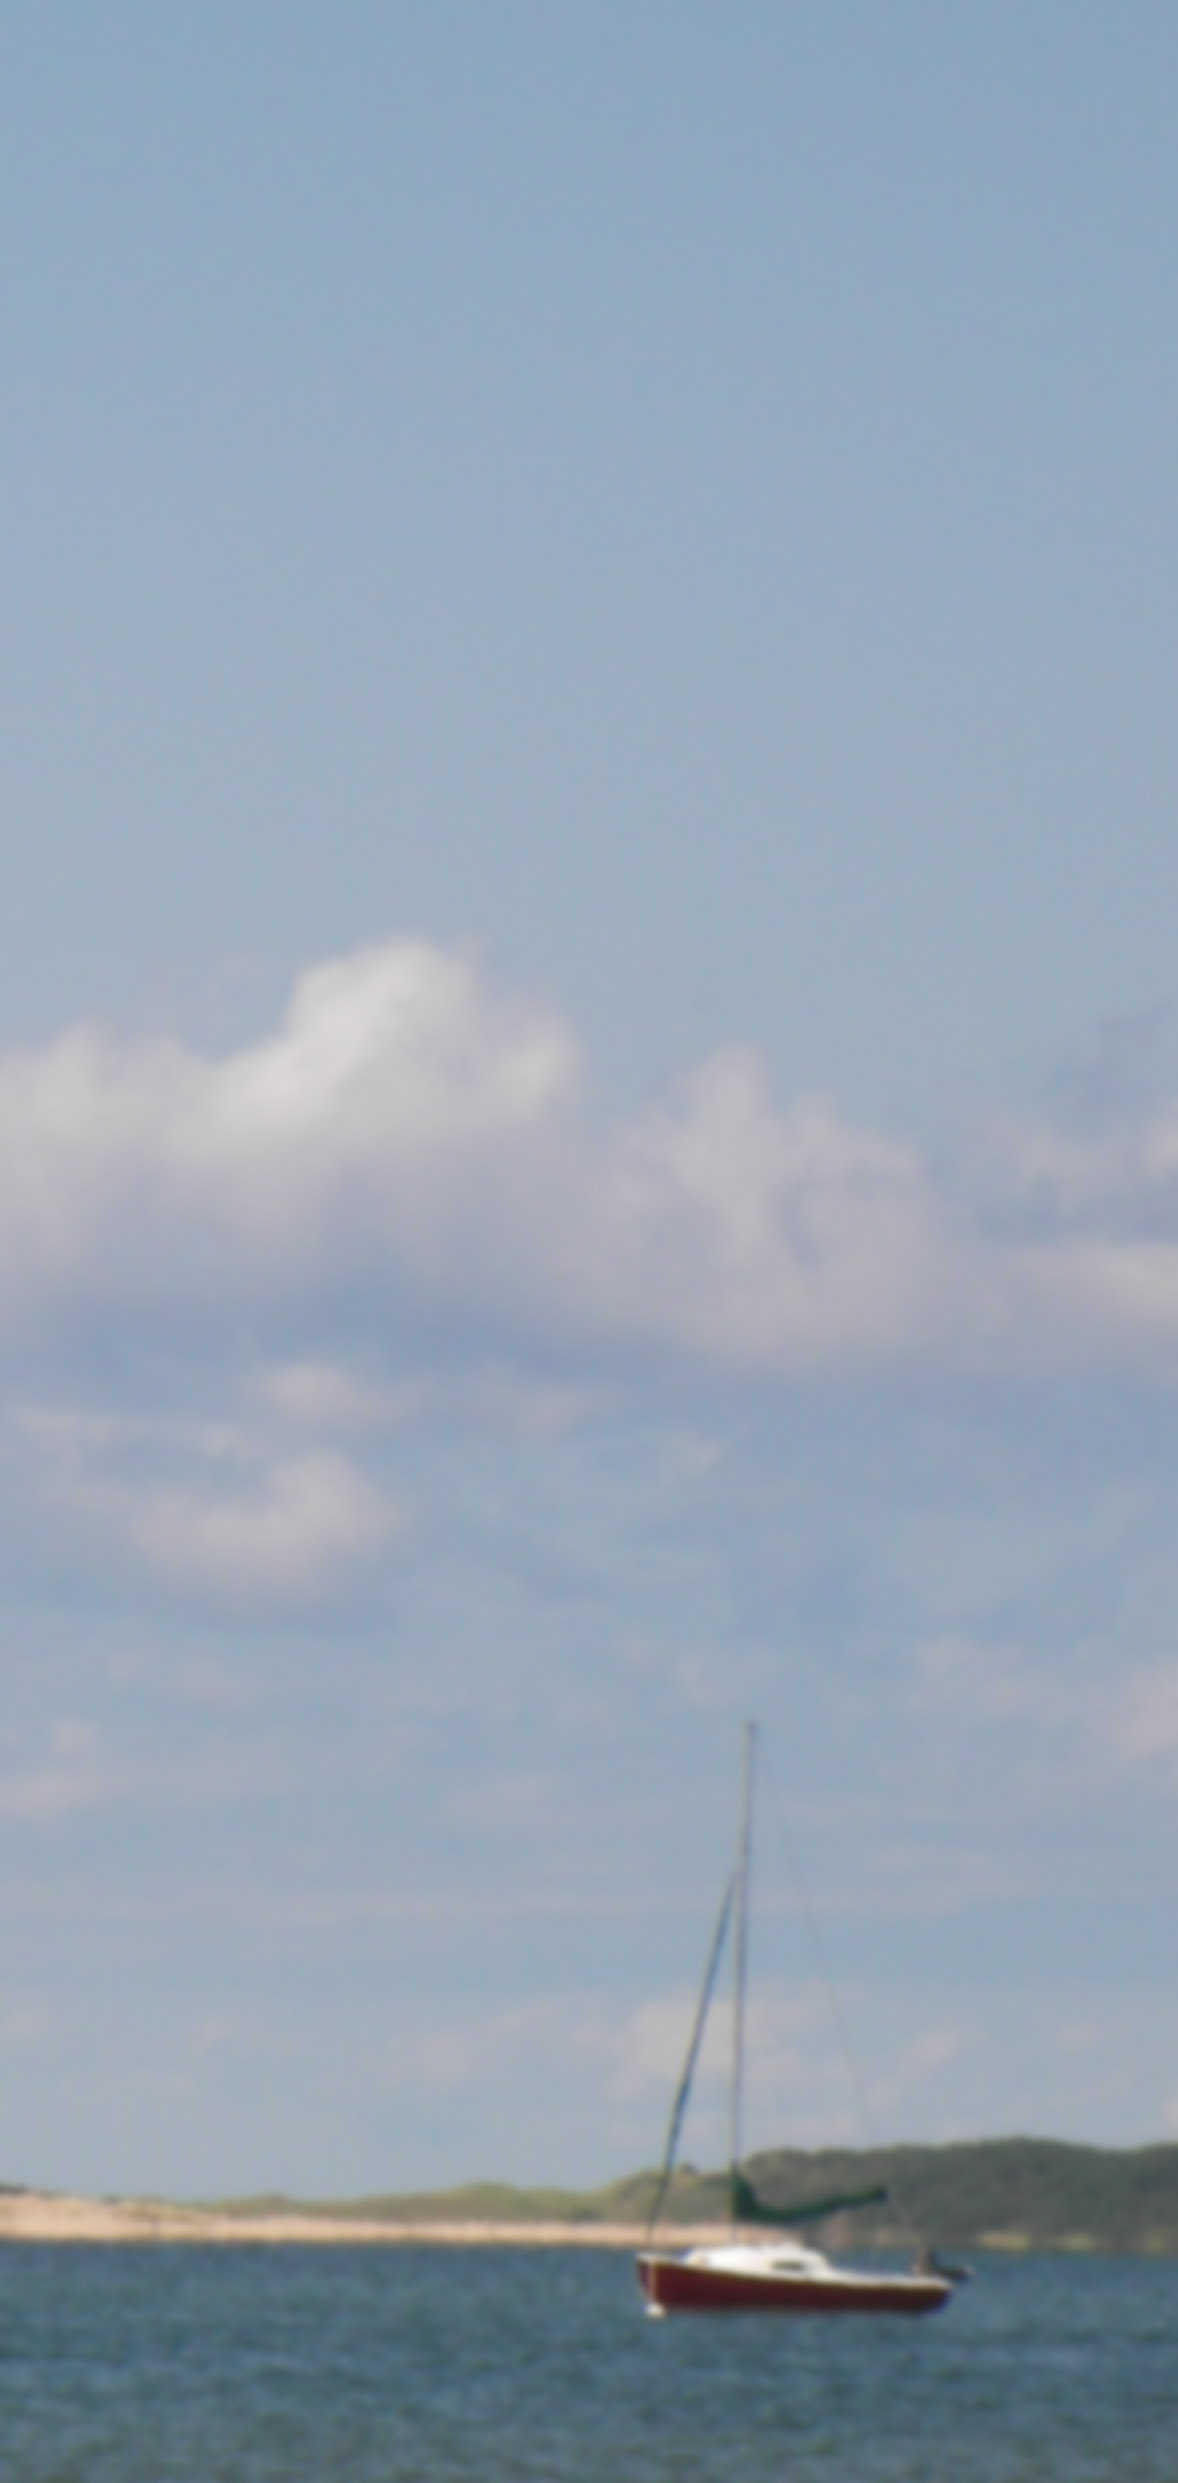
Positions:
(588, 1078)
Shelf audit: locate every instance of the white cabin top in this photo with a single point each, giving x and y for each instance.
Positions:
(777, 2258)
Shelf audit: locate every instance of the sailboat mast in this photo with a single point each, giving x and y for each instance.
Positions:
(744, 1853)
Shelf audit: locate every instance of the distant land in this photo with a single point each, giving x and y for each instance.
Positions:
(988, 2194)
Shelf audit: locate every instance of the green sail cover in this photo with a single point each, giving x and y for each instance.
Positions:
(747, 2208)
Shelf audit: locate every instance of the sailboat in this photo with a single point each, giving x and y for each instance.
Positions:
(747, 2273)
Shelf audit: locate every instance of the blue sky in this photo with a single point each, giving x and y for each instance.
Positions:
(588, 1081)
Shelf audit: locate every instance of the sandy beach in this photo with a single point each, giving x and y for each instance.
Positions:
(52, 2216)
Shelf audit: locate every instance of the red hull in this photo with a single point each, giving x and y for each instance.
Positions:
(674, 2285)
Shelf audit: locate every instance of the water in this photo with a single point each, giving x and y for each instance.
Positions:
(239, 2365)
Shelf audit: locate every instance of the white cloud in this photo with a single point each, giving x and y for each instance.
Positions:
(230, 1286)
(799, 2078)
(786, 2030)
(286, 1535)
(981, 1682)
(1145, 1715)
(322, 1396)
(561, 2032)
(72, 1776)
(375, 1115)
(413, 1142)
(1086, 1719)
(234, 1521)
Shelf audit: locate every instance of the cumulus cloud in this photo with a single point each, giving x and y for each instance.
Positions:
(375, 1117)
(228, 1284)
(215, 1509)
(411, 1138)
(309, 1517)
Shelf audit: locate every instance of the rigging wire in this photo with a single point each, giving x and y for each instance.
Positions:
(683, 2090)
(852, 2069)
(740, 1950)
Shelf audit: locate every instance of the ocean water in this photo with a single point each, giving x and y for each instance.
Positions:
(288, 2365)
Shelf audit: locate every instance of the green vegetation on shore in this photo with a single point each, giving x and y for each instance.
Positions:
(992, 2193)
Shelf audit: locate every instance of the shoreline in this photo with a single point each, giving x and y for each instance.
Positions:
(64, 2216)
(50, 2216)
(461, 2221)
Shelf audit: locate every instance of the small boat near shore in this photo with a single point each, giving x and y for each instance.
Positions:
(748, 2273)
(779, 2276)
